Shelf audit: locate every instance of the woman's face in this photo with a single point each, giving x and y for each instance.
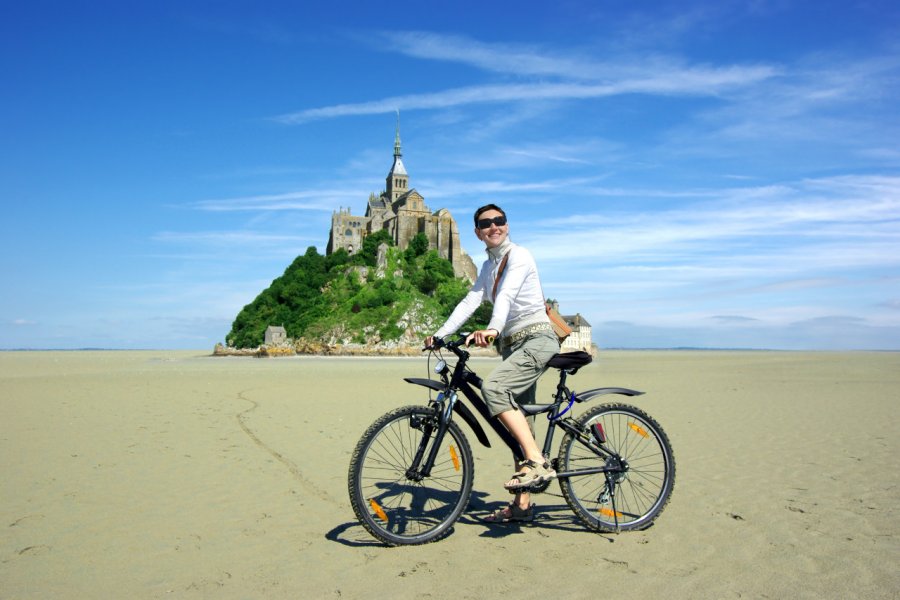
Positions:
(494, 234)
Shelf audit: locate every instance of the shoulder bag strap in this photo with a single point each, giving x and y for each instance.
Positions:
(499, 275)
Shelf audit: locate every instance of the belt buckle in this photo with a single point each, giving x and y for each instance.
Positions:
(522, 333)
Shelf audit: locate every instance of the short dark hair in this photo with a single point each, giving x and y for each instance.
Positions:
(487, 207)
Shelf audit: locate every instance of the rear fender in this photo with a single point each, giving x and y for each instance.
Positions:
(590, 394)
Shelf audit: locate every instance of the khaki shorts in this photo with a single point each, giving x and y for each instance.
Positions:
(514, 382)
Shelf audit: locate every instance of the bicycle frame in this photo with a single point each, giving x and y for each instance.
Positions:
(462, 380)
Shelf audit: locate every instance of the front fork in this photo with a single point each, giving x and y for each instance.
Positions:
(418, 471)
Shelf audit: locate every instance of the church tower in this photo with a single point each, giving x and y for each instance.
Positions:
(397, 181)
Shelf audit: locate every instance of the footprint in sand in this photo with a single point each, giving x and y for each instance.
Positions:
(22, 520)
(33, 550)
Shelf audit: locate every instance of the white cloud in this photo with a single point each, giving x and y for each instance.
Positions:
(690, 81)
(302, 200)
(227, 238)
(855, 218)
(501, 58)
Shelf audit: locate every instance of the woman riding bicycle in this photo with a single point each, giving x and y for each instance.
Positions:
(509, 280)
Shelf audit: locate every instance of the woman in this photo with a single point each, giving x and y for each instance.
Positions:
(509, 279)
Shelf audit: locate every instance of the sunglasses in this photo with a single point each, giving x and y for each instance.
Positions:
(486, 223)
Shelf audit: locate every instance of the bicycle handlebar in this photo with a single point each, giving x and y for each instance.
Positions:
(452, 345)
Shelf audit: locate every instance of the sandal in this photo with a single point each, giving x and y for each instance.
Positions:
(534, 475)
(511, 514)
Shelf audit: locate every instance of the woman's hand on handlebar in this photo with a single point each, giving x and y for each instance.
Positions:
(482, 337)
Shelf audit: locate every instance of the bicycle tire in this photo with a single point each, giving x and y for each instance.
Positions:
(393, 508)
(641, 492)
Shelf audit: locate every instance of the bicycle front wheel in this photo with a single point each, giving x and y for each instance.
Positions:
(395, 505)
(641, 470)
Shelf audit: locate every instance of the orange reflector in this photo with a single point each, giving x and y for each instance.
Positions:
(454, 457)
(639, 430)
(608, 512)
(376, 508)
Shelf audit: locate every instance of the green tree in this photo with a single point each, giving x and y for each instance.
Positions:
(369, 252)
(293, 299)
(434, 272)
(450, 293)
(318, 294)
(417, 247)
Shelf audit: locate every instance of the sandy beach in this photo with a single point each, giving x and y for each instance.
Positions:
(173, 474)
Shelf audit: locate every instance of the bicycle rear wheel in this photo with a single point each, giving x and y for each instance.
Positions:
(396, 506)
(640, 479)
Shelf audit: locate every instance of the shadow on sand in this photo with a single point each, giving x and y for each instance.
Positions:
(548, 517)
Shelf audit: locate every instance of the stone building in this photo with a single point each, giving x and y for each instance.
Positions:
(581, 338)
(402, 212)
(275, 334)
(581, 334)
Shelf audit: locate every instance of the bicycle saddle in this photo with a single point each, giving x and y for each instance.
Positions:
(570, 360)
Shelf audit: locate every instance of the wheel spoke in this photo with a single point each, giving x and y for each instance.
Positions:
(642, 485)
(409, 511)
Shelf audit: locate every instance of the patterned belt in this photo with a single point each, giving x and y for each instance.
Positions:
(523, 333)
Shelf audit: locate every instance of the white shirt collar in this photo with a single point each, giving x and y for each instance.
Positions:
(497, 253)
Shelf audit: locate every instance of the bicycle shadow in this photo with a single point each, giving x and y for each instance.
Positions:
(557, 516)
(554, 517)
(354, 535)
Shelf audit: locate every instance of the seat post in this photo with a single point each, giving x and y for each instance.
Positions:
(554, 413)
(561, 386)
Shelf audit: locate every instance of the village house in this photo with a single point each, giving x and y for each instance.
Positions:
(581, 337)
(581, 334)
(275, 335)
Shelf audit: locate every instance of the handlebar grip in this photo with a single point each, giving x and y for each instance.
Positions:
(490, 339)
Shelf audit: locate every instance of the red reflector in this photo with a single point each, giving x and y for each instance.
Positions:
(599, 435)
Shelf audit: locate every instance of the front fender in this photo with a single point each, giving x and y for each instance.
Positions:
(589, 394)
(429, 383)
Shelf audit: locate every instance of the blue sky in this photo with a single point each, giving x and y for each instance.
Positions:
(710, 174)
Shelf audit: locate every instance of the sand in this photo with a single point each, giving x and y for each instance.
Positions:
(178, 475)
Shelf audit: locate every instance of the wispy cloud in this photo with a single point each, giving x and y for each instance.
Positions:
(227, 238)
(450, 188)
(577, 78)
(304, 200)
(807, 101)
(693, 82)
(500, 58)
(842, 221)
(732, 319)
(537, 61)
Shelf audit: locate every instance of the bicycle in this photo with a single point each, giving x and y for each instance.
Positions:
(411, 472)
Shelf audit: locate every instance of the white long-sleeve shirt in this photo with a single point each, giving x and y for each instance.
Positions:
(520, 299)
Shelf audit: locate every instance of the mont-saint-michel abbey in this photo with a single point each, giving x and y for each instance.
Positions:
(402, 212)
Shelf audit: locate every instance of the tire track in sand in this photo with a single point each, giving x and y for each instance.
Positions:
(291, 465)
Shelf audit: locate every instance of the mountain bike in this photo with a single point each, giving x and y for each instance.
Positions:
(411, 472)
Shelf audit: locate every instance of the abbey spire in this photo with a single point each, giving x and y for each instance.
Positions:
(397, 181)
